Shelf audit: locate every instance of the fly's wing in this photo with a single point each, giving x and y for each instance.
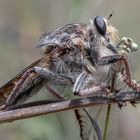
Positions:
(8, 87)
(99, 115)
(94, 130)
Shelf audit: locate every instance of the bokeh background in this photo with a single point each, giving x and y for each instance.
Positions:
(22, 22)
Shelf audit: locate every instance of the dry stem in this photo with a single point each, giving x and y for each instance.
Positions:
(62, 105)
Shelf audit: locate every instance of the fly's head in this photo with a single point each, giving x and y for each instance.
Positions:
(101, 32)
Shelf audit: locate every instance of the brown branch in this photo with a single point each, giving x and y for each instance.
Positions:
(62, 105)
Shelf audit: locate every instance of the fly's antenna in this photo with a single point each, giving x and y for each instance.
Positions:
(110, 15)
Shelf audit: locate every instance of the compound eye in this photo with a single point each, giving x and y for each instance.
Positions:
(100, 25)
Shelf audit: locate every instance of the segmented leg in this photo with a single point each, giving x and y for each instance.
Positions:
(133, 84)
(54, 92)
(55, 77)
(116, 58)
(84, 87)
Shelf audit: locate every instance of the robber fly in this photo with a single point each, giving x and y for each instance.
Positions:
(81, 56)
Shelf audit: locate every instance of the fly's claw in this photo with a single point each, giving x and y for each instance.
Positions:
(133, 84)
(122, 104)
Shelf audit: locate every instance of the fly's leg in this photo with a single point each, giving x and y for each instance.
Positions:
(82, 88)
(79, 82)
(121, 58)
(54, 92)
(116, 58)
(55, 77)
(89, 91)
(133, 84)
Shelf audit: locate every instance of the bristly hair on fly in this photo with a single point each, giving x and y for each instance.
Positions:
(114, 34)
(104, 32)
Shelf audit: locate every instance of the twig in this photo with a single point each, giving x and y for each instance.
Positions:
(48, 108)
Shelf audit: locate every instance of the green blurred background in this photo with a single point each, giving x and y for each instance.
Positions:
(22, 22)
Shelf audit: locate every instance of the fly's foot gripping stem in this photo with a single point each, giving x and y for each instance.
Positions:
(133, 84)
